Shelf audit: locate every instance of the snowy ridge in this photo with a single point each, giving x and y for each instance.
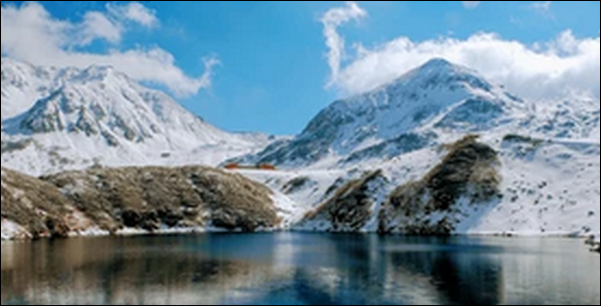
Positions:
(404, 116)
(71, 119)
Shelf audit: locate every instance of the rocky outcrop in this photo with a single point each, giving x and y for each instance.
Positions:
(297, 184)
(350, 208)
(465, 178)
(463, 183)
(147, 199)
(594, 243)
(37, 208)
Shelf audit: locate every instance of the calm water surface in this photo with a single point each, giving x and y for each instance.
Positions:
(300, 269)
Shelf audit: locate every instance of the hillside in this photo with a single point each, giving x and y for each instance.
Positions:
(133, 200)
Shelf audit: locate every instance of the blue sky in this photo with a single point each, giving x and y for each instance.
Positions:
(274, 71)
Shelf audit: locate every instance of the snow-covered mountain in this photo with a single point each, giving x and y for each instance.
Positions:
(399, 117)
(547, 154)
(57, 119)
(430, 105)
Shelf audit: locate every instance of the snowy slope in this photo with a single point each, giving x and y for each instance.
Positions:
(71, 119)
(23, 84)
(548, 152)
(551, 188)
(595, 134)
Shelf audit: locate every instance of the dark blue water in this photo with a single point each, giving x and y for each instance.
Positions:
(300, 269)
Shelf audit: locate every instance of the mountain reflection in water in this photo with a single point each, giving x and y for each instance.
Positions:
(299, 269)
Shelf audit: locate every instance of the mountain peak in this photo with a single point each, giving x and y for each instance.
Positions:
(405, 115)
(440, 66)
(100, 73)
(441, 74)
(439, 63)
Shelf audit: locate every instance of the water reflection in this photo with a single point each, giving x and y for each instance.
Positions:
(298, 269)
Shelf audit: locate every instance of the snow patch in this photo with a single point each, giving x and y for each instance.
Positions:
(90, 232)
(11, 231)
(162, 231)
(288, 211)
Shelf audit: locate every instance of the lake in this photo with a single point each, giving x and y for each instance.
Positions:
(300, 269)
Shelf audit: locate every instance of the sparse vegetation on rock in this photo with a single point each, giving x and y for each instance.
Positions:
(148, 199)
(296, 184)
(35, 205)
(9, 147)
(596, 247)
(522, 139)
(430, 206)
(350, 208)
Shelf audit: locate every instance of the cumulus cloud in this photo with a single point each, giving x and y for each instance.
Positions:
(471, 4)
(96, 25)
(333, 19)
(135, 12)
(566, 67)
(31, 34)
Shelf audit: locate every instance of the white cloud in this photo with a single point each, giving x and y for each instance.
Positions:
(31, 34)
(209, 63)
(543, 9)
(135, 12)
(331, 20)
(98, 26)
(471, 4)
(562, 68)
(31, 29)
